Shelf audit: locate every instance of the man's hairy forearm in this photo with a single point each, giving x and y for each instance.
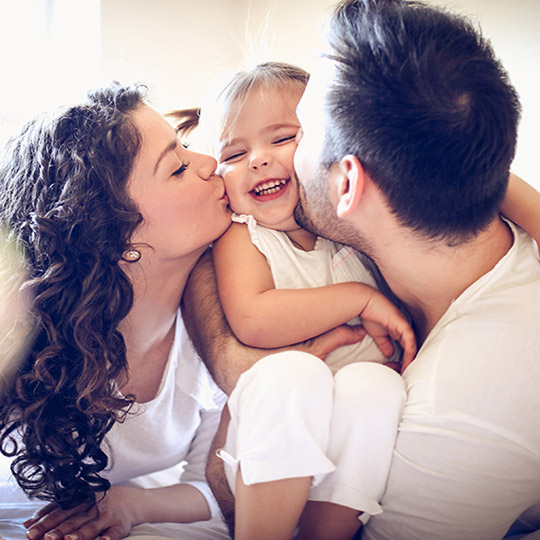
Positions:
(225, 358)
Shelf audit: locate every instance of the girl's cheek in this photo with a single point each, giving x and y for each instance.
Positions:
(227, 172)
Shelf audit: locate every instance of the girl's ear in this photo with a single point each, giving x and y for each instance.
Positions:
(350, 185)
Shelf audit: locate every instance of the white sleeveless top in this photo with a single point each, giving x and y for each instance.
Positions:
(328, 263)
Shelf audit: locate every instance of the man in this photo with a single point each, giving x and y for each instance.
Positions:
(409, 164)
(418, 136)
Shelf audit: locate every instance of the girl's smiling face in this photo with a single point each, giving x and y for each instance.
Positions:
(257, 155)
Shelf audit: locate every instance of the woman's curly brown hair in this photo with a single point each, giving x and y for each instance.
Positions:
(63, 197)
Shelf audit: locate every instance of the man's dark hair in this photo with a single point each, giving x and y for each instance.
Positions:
(420, 99)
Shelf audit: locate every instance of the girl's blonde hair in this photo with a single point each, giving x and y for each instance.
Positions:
(220, 113)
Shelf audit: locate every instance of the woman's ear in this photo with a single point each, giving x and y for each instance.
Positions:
(350, 185)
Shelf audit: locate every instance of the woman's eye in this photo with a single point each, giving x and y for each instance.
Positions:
(181, 169)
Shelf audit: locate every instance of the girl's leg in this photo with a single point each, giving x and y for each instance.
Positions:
(270, 510)
(328, 521)
(368, 401)
(277, 440)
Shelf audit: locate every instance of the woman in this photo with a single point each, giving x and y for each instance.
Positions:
(112, 213)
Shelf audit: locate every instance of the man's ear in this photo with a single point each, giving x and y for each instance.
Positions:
(350, 185)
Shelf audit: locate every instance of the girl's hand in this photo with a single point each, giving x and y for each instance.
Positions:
(112, 518)
(383, 321)
(328, 342)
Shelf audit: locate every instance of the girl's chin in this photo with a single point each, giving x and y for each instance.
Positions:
(286, 225)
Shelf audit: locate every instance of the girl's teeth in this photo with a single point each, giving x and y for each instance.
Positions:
(270, 187)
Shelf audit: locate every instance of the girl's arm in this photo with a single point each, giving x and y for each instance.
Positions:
(224, 355)
(262, 316)
(522, 206)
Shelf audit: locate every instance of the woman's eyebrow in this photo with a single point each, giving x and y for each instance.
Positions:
(170, 148)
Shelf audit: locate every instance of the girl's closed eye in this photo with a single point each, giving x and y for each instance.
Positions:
(286, 139)
(232, 156)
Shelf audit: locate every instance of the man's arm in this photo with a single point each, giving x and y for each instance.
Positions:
(225, 357)
(522, 206)
(215, 474)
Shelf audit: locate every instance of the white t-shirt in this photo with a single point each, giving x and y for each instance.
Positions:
(467, 459)
(175, 427)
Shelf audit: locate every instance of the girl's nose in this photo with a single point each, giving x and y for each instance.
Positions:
(258, 161)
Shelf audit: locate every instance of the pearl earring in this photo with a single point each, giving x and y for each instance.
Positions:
(131, 255)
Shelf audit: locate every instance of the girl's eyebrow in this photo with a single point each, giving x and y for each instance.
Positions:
(275, 127)
(272, 127)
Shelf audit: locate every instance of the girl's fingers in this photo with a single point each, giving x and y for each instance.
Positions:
(333, 339)
(384, 344)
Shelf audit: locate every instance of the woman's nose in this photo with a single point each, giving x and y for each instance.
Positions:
(207, 165)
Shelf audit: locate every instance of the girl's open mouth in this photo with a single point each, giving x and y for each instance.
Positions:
(269, 187)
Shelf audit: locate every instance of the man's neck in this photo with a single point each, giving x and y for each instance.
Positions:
(429, 276)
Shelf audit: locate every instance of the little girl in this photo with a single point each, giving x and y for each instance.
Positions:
(280, 284)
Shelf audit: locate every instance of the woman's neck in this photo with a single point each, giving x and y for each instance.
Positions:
(148, 329)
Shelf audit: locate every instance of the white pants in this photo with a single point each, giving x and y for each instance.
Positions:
(290, 418)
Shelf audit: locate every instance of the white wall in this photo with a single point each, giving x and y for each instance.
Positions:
(197, 39)
(49, 56)
(177, 46)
